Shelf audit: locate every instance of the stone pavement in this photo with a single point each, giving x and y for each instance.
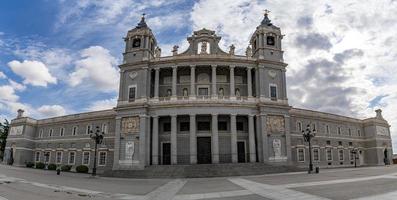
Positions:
(361, 183)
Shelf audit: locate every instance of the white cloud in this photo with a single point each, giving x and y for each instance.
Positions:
(2, 75)
(16, 86)
(96, 67)
(33, 72)
(103, 104)
(51, 110)
(8, 93)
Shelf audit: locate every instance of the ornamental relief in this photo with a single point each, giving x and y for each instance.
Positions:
(275, 124)
(129, 125)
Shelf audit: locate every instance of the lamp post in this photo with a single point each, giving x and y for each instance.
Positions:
(308, 134)
(97, 136)
(355, 152)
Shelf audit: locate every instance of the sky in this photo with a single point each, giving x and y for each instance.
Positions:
(61, 57)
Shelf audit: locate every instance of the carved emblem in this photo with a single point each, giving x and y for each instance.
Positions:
(133, 75)
(272, 74)
(16, 130)
(277, 148)
(275, 124)
(129, 150)
(130, 125)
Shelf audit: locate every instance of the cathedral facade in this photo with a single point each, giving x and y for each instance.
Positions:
(201, 106)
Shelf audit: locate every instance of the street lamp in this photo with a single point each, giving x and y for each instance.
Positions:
(355, 152)
(308, 134)
(97, 136)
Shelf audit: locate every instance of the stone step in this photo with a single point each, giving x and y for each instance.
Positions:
(202, 170)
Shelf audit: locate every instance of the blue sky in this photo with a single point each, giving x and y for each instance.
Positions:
(54, 54)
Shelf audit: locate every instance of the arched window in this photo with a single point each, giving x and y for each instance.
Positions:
(136, 43)
(270, 40)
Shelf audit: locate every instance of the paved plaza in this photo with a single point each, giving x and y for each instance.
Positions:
(360, 183)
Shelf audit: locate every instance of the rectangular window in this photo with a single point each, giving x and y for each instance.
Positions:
(350, 132)
(102, 158)
(240, 126)
(87, 131)
(51, 132)
(351, 155)
(72, 158)
(301, 155)
(131, 93)
(350, 143)
(47, 156)
(62, 132)
(329, 154)
(167, 127)
(341, 155)
(299, 126)
(86, 158)
(340, 143)
(59, 157)
(328, 142)
(273, 92)
(74, 130)
(327, 129)
(37, 159)
(184, 126)
(41, 133)
(316, 155)
(203, 91)
(339, 131)
(222, 126)
(203, 126)
(358, 133)
(105, 128)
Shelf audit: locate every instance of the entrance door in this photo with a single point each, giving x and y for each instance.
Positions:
(204, 150)
(166, 153)
(241, 152)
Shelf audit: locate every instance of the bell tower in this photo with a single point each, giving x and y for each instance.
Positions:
(266, 41)
(140, 43)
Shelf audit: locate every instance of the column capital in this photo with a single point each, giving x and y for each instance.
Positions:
(155, 116)
(192, 115)
(174, 66)
(192, 66)
(251, 115)
(233, 114)
(173, 115)
(157, 68)
(143, 116)
(214, 66)
(232, 66)
(214, 114)
(248, 68)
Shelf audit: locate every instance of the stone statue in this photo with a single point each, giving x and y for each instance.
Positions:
(203, 47)
(277, 148)
(20, 113)
(129, 150)
(248, 52)
(175, 50)
(157, 52)
(231, 49)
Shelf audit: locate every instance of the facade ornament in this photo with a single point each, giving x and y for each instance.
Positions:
(129, 150)
(277, 148)
(203, 47)
(133, 75)
(275, 124)
(272, 74)
(175, 50)
(20, 113)
(379, 114)
(157, 52)
(248, 52)
(231, 49)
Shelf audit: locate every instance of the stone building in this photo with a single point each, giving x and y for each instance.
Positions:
(202, 105)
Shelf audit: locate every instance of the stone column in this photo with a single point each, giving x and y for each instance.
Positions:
(192, 82)
(258, 133)
(264, 138)
(251, 138)
(121, 88)
(213, 82)
(156, 83)
(214, 139)
(173, 140)
(249, 82)
(233, 137)
(116, 152)
(284, 84)
(232, 94)
(142, 141)
(193, 140)
(288, 138)
(174, 78)
(155, 141)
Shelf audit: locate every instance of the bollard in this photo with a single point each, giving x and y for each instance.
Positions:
(317, 170)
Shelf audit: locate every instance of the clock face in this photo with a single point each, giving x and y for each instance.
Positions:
(270, 40)
(136, 43)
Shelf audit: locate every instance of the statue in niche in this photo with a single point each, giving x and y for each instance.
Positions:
(175, 50)
(231, 49)
(221, 92)
(185, 92)
(237, 92)
(169, 92)
(157, 52)
(129, 150)
(248, 52)
(203, 47)
(277, 148)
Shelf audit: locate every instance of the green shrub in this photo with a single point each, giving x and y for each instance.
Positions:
(52, 167)
(40, 165)
(29, 165)
(82, 169)
(66, 168)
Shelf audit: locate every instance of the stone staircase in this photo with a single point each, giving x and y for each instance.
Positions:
(202, 170)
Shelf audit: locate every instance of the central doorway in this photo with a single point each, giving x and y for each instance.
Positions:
(166, 153)
(241, 152)
(204, 150)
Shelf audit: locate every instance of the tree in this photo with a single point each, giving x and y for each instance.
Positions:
(4, 128)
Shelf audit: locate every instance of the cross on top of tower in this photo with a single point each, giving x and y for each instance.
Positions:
(266, 21)
(266, 11)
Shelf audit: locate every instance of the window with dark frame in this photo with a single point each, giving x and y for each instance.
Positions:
(270, 40)
(273, 92)
(203, 126)
(131, 94)
(167, 127)
(222, 125)
(136, 43)
(240, 126)
(328, 142)
(184, 126)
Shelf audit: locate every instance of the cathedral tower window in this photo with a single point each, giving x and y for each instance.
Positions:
(131, 93)
(136, 43)
(273, 92)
